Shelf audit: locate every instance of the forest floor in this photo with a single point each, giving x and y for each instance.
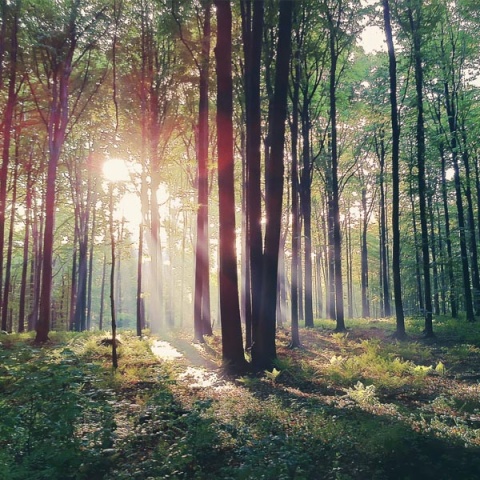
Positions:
(344, 406)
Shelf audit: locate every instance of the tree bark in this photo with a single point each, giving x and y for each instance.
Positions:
(396, 267)
(232, 344)
(264, 349)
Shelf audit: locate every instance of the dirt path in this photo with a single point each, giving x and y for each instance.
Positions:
(197, 370)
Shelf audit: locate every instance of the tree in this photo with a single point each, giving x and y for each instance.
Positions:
(63, 35)
(264, 349)
(202, 322)
(397, 281)
(252, 33)
(232, 346)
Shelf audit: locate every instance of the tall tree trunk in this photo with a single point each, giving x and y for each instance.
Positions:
(452, 123)
(8, 267)
(418, 275)
(112, 281)
(140, 321)
(385, 279)
(336, 233)
(252, 32)
(364, 257)
(295, 340)
(7, 122)
(306, 197)
(202, 322)
(91, 206)
(397, 281)
(264, 349)
(57, 125)
(422, 186)
(232, 344)
(471, 222)
(433, 247)
(26, 246)
(102, 293)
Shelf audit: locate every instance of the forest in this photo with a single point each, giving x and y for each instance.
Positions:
(287, 192)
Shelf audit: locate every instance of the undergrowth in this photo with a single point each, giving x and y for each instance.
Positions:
(345, 406)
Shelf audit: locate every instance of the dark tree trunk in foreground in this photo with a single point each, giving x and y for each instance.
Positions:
(232, 344)
(422, 187)
(264, 349)
(252, 33)
(397, 282)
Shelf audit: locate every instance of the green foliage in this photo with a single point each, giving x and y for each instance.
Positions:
(65, 415)
(375, 366)
(363, 394)
(45, 401)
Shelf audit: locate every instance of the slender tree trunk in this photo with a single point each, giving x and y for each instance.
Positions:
(139, 282)
(364, 257)
(471, 225)
(337, 238)
(232, 342)
(448, 240)
(418, 275)
(57, 125)
(112, 282)
(452, 123)
(26, 246)
(202, 322)
(252, 30)
(91, 206)
(422, 186)
(397, 281)
(264, 349)
(7, 121)
(306, 197)
(433, 248)
(102, 293)
(385, 279)
(8, 267)
(295, 341)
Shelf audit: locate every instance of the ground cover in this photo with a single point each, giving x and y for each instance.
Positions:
(344, 406)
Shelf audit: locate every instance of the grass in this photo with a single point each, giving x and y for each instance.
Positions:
(345, 406)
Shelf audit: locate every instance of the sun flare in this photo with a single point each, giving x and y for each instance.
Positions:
(116, 170)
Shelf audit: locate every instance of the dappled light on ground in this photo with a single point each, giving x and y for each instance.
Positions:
(165, 350)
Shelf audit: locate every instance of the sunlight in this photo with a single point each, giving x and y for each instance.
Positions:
(116, 170)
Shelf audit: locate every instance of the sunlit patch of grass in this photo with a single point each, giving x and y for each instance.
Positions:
(375, 366)
(414, 351)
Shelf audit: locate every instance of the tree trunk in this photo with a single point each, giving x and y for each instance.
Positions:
(26, 246)
(232, 344)
(202, 322)
(8, 267)
(336, 233)
(140, 321)
(385, 279)
(397, 281)
(295, 341)
(7, 127)
(364, 257)
(452, 123)
(264, 349)
(422, 186)
(252, 32)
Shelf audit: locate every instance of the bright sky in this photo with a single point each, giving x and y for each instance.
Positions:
(373, 39)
